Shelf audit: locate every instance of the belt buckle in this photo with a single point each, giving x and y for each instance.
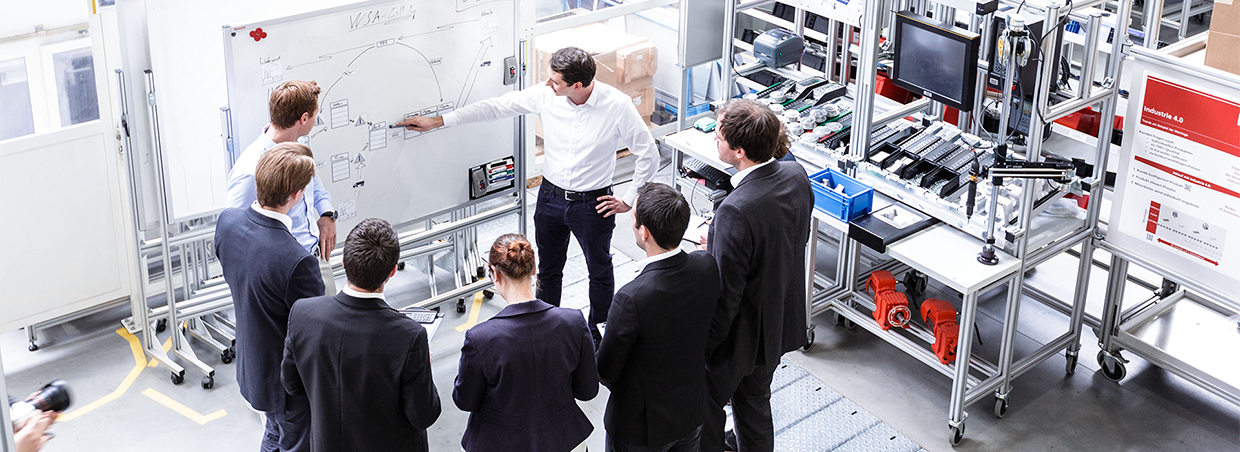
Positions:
(566, 196)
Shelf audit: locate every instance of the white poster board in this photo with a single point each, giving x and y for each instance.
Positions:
(378, 63)
(1177, 193)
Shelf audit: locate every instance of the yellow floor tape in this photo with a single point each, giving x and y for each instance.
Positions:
(184, 410)
(140, 363)
(473, 313)
(167, 346)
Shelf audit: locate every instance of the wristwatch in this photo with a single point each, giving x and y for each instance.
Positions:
(331, 214)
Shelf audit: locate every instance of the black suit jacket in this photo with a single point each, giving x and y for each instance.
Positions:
(520, 374)
(266, 270)
(758, 237)
(367, 371)
(653, 355)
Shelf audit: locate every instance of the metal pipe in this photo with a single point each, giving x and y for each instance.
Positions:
(1069, 107)
(729, 27)
(456, 225)
(1090, 55)
(901, 111)
(477, 286)
(1152, 26)
(867, 71)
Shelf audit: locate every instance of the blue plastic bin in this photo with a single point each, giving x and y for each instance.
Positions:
(854, 202)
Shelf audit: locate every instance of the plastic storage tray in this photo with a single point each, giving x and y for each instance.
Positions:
(854, 202)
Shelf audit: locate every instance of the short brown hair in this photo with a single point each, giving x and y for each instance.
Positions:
(512, 255)
(574, 64)
(370, 254)
(282, 171)
(663, 211)
(292, 99)
(749, 125)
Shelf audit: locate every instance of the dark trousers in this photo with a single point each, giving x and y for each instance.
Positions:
(287, 431)
(554, 219)
(691, 443)
(751, 410)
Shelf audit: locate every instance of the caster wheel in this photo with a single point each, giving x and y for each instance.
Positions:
(400, 266)
(488, 294)
(460, 306)
(161, 325)
(1112, 366)
(809, 339)
(1070, 368)
(839, 319)
(178, 378)
(208, 382)
(957, 434)
(848, 324)
(915, 282)
(227, 356)
(1001, 407)
(33, 347)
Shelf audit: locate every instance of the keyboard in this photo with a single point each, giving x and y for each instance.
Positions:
(421, 315)
(714, 177)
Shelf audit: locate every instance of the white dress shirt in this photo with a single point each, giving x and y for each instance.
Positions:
(740, 175)
(580, 142)
(282, 218)
(305, 215)
(641, 265)
(357, 294)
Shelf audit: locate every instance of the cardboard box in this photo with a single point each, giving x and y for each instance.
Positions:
(637, 61)
(1224, 39)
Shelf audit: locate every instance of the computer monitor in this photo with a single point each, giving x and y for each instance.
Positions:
(936, 61)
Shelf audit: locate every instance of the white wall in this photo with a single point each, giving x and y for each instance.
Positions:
(21, 16)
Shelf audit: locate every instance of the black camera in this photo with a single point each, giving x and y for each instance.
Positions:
(53, 396)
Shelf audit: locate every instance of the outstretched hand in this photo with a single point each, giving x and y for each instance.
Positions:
(422, 123)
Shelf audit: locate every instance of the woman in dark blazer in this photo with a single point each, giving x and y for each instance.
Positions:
(522, 371)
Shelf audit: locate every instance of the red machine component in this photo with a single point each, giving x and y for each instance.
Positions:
(890, 307)
(940, 316)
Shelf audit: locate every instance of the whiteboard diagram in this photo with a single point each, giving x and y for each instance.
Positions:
(377, 64)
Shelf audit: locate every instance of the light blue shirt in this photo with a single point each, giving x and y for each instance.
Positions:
(305, 215)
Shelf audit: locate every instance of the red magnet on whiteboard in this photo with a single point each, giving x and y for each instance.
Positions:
(258, 34)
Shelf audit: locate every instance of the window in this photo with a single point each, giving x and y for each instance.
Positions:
(16, 114)
(75, 86)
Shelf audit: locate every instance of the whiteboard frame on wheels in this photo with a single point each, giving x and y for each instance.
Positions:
(1176, 203)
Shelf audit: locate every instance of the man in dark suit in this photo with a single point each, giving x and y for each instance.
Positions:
(267, 270)
(365, 366)
(758, 237)
(653, 355)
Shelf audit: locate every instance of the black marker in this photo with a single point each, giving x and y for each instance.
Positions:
(394, 126)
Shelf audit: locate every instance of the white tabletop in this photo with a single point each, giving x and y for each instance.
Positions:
(699, 145)
(950, 256)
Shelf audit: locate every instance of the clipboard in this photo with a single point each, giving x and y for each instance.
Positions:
(428, 318)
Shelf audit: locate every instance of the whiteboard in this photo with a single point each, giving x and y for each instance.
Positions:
(188, 66)
(377, 64)
(1177, 192)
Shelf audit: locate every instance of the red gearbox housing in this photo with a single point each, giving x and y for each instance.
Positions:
(890, 307)
(940, 316)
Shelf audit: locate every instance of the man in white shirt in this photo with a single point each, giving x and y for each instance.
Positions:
(293, 107)
(585, 122)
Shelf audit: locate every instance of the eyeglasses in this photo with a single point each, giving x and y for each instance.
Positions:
(490, 273)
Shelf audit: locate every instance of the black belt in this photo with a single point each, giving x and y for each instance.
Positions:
(579, 196)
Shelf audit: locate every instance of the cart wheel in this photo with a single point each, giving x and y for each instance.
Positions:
(488, 294)
(33, 347)
(839, 319)
(1112, 366)
(178, 378)
(161, 325)
(208, 382)
(957, 434)
(460, 306)
(848, 324)
(809, 339)
(1001, 407)
(400, 266)
(227, 355)
(915, 282)
(1070, 368)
